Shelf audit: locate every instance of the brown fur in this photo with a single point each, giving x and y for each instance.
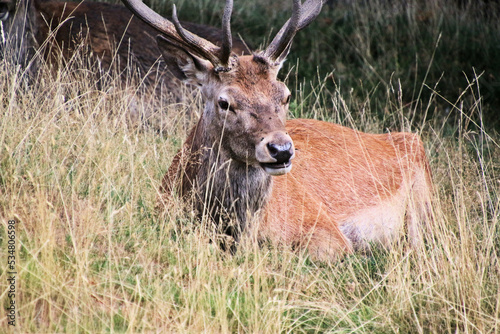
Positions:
(346, 188)
(337, 173)
(218, 160)
(103, 30)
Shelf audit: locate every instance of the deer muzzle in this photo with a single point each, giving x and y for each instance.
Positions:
(275, 153)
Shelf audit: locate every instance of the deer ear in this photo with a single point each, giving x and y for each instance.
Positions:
(182, 64)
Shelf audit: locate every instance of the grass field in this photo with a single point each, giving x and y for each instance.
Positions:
(93, 254)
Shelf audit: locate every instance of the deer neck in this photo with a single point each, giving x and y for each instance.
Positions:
(233, 192)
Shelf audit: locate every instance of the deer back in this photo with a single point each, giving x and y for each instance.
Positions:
(348, 188)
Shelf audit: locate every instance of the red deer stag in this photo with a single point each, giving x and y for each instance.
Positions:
(109, 33)
(346, 189)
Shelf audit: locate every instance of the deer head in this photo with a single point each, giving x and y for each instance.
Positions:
(245, 103)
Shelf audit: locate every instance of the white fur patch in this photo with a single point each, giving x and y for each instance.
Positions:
(277, 172)
(381, 223)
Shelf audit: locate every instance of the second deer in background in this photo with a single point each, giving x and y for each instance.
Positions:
(107, 35)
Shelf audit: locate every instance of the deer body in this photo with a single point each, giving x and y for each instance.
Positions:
(349, 188)
(346, 188)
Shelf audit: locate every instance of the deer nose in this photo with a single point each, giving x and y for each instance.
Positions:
(282, 153)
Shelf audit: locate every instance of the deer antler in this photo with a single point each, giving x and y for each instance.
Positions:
(220, 57)
(302, 15)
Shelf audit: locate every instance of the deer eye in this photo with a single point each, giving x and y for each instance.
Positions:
(287, 99)
(224, 105)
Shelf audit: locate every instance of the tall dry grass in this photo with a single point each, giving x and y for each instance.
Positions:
(81, 179)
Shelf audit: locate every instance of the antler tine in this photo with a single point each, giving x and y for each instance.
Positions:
(196, 44)
(284, 37)
(191, 42)
(219, 57)
(227, 40)
(302, 15)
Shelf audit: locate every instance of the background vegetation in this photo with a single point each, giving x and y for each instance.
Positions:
(94, 255)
